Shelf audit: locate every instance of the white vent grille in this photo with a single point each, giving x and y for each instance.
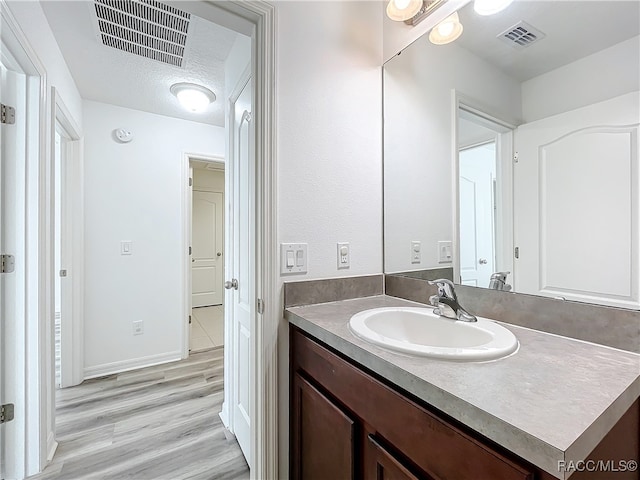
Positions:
(521, 35)
(144, 27)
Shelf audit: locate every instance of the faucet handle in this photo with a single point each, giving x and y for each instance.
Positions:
(445, 288)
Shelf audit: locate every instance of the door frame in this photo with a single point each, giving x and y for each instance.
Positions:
(257, 19)
(187, 212)
(72, 250)
(31, 384)
(504, 168)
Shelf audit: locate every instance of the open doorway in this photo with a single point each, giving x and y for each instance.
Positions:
(483, 184)
(207, 227)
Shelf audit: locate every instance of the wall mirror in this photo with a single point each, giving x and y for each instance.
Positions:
(515, 149)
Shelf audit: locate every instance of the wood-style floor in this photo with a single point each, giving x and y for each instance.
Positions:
(149, 424)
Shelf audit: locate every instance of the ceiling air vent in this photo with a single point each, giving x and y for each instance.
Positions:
(521, 35)
(144, 27)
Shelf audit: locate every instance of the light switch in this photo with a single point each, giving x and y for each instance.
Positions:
(126, 247)
(416, 252)
(445, 251)
(293, 258)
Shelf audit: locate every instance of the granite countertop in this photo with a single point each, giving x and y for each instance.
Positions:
(555, 399)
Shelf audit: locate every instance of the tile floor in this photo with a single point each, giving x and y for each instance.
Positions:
(207, 328)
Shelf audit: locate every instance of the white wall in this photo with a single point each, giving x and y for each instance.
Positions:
(133, 192)
(418, 147)
(330, 133)
(606, 74)
(329, 126)
(34, 25)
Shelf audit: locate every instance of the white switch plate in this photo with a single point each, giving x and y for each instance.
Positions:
(445, 251)
(296, 253)
(416, 252)
(138, 327)
(126, 247)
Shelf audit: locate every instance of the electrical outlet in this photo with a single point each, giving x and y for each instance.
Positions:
(344, 255)
(138, 327)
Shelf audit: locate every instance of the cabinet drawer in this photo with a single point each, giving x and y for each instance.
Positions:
(432, 444)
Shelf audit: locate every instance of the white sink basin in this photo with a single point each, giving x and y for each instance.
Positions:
(418, 331)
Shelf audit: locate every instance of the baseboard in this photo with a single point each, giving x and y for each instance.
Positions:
(52, 446)
(132, 364)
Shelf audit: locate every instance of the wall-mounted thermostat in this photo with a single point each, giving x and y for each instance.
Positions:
(123, 135)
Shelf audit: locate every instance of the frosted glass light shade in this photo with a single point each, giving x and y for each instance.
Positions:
(192, 97)
(401, 10)
(489, 7)
(447, 30)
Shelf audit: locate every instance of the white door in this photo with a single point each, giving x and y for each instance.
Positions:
(12, 299)
(207, 241)
(242, 297)
(477, 214)
(577, 204)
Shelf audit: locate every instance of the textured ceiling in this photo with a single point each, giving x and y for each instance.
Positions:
(112, 76)
(574, 29)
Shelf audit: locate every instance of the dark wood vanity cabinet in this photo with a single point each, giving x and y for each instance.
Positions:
(347, 424)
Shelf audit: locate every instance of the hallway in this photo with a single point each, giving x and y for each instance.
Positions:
(155, 423)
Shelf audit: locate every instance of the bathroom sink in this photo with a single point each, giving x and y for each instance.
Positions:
(418, 331)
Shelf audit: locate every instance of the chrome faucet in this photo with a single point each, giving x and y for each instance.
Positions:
(498, 281)
(446, 302)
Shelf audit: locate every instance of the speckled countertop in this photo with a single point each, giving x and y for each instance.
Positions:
(554, 400)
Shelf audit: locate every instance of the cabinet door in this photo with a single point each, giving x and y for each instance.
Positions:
(323, 436)
(384, 465)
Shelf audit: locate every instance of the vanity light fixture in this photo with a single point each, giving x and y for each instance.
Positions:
(194, 98)
(401, 10)
(447, 30)
(489, 7)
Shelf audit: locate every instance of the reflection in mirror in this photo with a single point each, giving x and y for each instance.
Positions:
(514, 150)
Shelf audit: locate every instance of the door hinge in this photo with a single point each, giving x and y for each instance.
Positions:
(190, 181)
(189, 250)
(189, 319)
(7, 114)
(63, 273)
(516, 157)
(516, 252)
(260, 306)
(7, 263)
(6, 413)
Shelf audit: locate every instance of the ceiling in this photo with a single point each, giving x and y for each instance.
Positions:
(116, 77)
(573, 29)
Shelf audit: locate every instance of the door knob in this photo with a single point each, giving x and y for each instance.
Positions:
(231, 284)
(482, 261)
(219, 254)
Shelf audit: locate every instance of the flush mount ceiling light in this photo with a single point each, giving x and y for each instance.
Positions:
(489, 7)
(194, 98)
(401, 10)
(446, 31)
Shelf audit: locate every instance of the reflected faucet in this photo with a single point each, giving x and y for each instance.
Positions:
(446, 302)
(498, 281)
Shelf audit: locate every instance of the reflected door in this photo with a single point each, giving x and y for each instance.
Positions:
(577, 204)
(477, 214)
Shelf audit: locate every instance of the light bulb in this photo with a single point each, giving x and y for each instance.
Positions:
(489, 7)
(447, 30)
(401, 4)
(193, 100)
(192, 97)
